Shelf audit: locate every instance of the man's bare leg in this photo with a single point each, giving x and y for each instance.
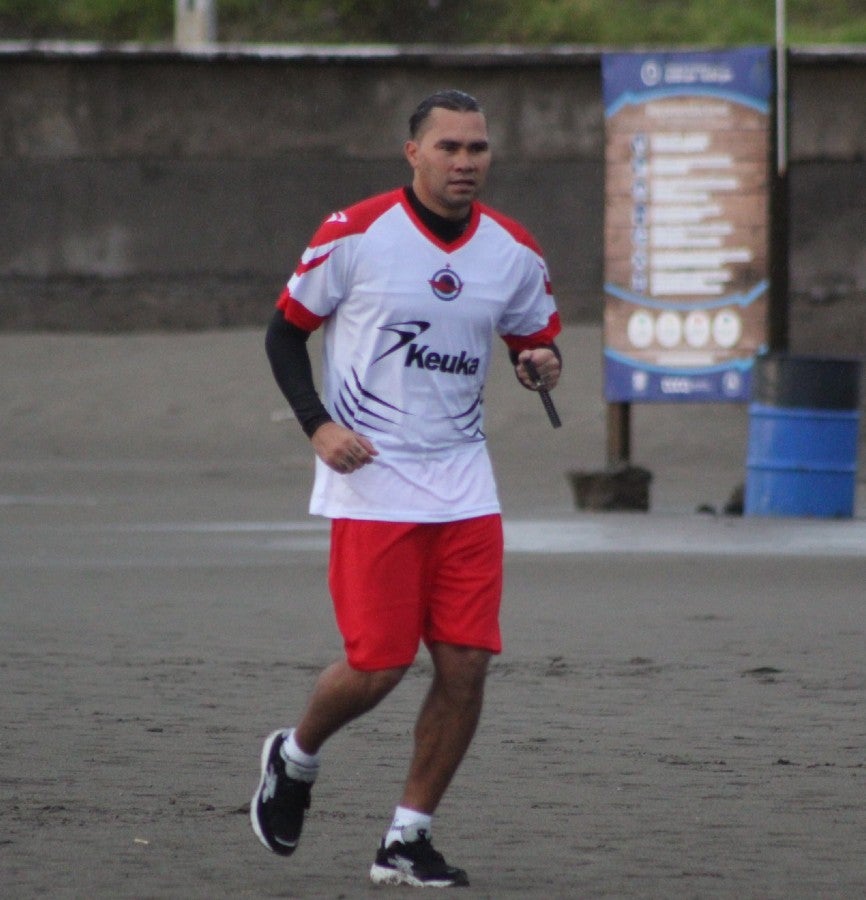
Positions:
(446, 723)
(283, 794)
(340, 695)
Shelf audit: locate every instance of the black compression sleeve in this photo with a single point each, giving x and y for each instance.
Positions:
(286, 346)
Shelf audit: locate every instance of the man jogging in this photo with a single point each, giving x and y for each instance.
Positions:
(410, 288)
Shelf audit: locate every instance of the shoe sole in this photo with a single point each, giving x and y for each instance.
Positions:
(281, 848)
(386, 875)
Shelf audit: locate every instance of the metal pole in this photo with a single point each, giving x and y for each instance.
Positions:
(195, 22)
(777, 338)
(781, 91)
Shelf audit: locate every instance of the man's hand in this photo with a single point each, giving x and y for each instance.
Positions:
(342, 449)
(547, 364)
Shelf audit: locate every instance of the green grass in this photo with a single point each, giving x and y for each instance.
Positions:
(535, 22)
(105, 20)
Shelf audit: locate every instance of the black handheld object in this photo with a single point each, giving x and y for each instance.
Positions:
(549, 408)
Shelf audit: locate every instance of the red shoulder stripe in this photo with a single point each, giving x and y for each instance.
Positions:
(315, 262)
(513, 227)
(355, 219)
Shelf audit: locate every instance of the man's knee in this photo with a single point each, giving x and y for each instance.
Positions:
(378, 683)
(461, 670)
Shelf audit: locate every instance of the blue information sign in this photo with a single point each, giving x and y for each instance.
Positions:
(687, 168)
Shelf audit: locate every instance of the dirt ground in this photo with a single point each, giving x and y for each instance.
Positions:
(678, 712)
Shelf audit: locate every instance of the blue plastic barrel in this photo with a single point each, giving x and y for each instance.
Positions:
(804, 421)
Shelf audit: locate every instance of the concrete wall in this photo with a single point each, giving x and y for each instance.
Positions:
(157, 188)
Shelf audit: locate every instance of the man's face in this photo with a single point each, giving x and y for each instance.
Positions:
(450, 157)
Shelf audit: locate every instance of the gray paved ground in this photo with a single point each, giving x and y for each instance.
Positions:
(678, 713)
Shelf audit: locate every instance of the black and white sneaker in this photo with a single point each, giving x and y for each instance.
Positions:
(416, 864)
(278, 805)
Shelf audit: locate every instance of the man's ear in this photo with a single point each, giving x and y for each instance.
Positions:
(410, 151)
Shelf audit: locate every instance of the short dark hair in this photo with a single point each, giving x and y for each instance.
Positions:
(458, 101)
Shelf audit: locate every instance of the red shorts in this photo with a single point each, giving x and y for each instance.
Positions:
(396, 583)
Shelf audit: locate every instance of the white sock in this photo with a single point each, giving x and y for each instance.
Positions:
(407, 824)
(299, 765)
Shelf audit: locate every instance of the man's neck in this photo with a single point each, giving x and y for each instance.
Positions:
(447, 230)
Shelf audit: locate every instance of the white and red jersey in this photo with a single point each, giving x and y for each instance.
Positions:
(408, 328)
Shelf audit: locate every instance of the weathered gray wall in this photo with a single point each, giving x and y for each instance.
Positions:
(148, 188)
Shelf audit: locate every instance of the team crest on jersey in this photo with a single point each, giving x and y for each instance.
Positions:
(446, 284)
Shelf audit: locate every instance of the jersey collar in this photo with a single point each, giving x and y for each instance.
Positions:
(436, 228)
